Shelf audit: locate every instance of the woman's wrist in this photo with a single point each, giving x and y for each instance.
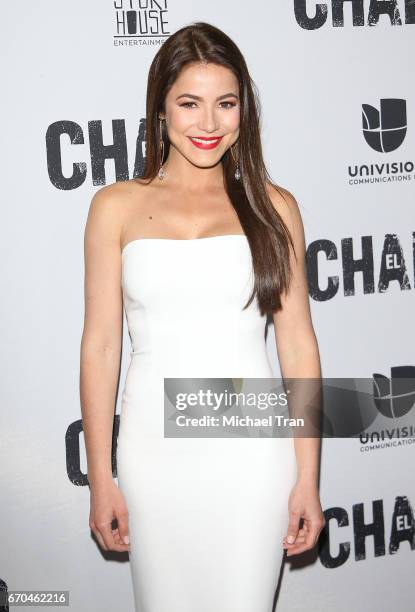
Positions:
(97, 481)
(309, 478)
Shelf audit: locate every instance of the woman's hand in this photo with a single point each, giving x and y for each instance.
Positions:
(303, 502)
(107, 503)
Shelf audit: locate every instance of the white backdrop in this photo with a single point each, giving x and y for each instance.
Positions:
(68, 73)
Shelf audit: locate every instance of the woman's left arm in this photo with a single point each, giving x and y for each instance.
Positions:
(299, 358)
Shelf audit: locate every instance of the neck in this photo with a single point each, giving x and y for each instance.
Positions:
(181, 173)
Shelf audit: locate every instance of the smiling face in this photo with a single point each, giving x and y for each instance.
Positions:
(203, 113)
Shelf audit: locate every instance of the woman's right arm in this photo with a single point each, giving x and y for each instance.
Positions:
(100, 361)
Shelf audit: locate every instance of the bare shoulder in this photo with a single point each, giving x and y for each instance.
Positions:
(283, 200)
(109, 209)
(115, 197)
(286, 206)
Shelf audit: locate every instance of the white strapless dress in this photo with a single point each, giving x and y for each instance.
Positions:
(207, 516)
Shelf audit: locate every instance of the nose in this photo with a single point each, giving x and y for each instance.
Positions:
(208, 121)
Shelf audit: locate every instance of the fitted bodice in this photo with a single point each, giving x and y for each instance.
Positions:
(184, 301)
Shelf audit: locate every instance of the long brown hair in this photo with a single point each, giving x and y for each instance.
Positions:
(265, 230)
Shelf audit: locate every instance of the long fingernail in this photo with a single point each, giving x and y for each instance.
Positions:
(290, 539)
(126, 539)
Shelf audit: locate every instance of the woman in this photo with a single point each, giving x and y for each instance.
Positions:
(203, 519)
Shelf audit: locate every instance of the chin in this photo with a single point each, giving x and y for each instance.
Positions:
(207, 163)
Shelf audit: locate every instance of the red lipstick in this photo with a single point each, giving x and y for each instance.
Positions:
(206, 143)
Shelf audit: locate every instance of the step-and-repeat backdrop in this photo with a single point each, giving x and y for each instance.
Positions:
(338, 127)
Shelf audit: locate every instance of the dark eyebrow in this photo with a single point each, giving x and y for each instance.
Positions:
(187, 95)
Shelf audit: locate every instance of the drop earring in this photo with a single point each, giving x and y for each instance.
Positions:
(161, 172)
(237, 171)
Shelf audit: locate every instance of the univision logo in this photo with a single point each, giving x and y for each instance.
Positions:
(393, 397)
(385, 129)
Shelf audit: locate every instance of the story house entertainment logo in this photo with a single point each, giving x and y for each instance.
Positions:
(140, 22)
